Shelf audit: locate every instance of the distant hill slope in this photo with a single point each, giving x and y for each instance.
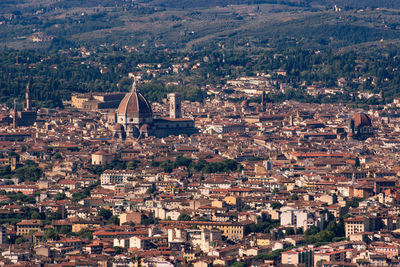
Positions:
(213, 3)
(359, 3)
(395, 4)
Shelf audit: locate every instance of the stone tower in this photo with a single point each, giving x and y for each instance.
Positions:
(15, 115)
(263, 101)
(175, 106)
(28, 97)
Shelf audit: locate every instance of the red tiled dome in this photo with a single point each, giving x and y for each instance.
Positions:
(134, 104)
(361, 119)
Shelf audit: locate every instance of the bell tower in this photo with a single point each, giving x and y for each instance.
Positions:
(15, 115)
(175, 106)
(28, 97)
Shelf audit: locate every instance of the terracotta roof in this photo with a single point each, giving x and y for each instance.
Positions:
(134, 104)
(361, 119)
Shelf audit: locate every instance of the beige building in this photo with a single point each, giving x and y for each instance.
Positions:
(263, 240)
(135, 217)
(295, 257)
(79, 225)
(97, 101)
(233, 201)
(101, 158)
(330, 256)
(27, 226)
(357, 224)
(232, 230)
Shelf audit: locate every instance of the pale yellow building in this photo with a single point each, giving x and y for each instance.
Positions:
(28, 226)
(356, 225)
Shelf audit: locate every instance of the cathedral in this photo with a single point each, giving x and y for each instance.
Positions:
(360, 127)
(134, 118)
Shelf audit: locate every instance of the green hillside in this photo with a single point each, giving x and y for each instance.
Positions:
(82, 46)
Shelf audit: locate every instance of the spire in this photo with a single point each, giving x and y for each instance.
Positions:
(15, 119)
(134, 89)
(263, 101)
(27, 96)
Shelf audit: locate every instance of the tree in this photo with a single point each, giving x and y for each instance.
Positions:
(78, 196)
(5, 171)
(274, 255)
(263, 227)
(354, 202)
(106, 214)
(85, 233)
(65, 229)
(148, 220)
(132, 165)
(50, 234)
(238, 264)
(184, 217)
(289, 231)
(312, 230)
(324, 236)
(182, 161)
(118, 250)
(60, 196)
(276, 205)
(113, 220)
(35, 215)
(29, 172)
(337, 228)
(167, 166)
(19, 240)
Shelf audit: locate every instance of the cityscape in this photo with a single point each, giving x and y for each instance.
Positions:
(207, 150)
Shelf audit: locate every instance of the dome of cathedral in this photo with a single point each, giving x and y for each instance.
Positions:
(361, 119)
(135, 105)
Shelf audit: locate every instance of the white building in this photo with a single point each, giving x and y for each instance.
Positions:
(111, 177)
(294, 217)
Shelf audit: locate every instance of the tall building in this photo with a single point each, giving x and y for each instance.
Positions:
(25, 117)
(28, 97)
(134, 119)
(357, 224)
(3, 235)
(175, 106)
(303, 256)
(15, 115)
(263, 101)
